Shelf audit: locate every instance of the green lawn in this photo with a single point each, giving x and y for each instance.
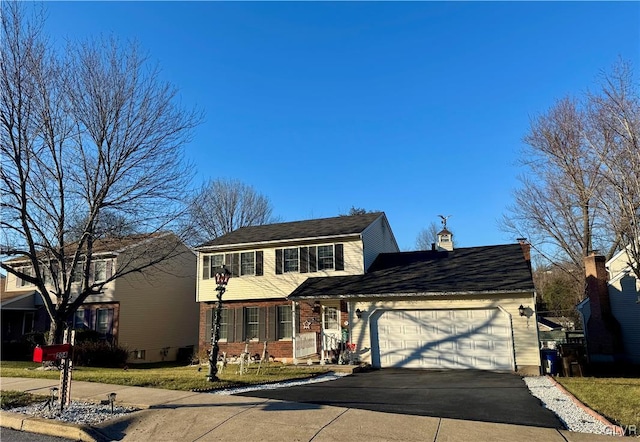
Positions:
(167, 375)
(617, 399)
(11, 399)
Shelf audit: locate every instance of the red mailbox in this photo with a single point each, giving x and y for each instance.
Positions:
(51, 352)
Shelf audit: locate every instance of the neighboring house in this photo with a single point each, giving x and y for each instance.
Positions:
(150, 312)
(611, 312)
(306, 285)
(268, 263)
(440, 308)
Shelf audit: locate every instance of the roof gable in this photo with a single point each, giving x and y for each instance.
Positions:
(307, 229)
(488, 269)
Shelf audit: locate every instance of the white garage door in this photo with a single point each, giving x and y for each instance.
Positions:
(479, 339)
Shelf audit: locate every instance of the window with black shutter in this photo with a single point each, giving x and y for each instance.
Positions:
(278, 261)
(339, 256)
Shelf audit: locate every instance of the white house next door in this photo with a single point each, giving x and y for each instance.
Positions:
(471, 338)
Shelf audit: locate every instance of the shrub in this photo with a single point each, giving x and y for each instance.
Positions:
(99, 354)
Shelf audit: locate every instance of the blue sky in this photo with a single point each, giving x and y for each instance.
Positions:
(413, 108)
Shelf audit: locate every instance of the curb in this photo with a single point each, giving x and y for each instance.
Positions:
(617, 430)
(22, 422)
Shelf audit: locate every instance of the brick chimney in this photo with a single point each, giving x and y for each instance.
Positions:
(526, 250)
(603, 330)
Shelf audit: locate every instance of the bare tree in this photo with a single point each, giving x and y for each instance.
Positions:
(427, 237)
(581, 191)
(615, 123)
(224, 205)
(357, 211)
(85, 136)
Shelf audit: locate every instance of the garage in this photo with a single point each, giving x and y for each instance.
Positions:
(455, 338)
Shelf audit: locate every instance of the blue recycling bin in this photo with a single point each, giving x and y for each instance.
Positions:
(550, 361)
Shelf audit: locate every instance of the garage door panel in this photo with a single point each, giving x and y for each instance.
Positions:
(445, 339)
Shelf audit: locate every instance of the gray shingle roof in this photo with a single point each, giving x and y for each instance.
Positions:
(466, 270)
(313, 228)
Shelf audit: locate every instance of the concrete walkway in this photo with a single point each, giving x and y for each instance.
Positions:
(169, 415)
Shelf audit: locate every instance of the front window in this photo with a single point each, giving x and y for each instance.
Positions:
(224, 324)
(251, 323)
(102, 321)
(27, 271)
(247, 263)
(78, 320)
(76, 274)
(290, 260)
(325, 257)
(285, 329)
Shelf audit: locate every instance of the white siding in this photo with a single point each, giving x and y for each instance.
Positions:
(270, 285)
(378, 238)
(525, 336)
(623, 295)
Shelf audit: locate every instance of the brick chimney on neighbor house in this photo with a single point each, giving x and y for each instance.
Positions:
(603, 330)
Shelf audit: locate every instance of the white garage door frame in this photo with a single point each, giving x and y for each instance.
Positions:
(378, 312)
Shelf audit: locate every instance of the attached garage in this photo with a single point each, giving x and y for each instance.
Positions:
(456, 338)
(468, 308)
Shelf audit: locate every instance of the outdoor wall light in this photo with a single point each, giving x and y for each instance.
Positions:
(359, 313)
(316, 307)
(521, 310)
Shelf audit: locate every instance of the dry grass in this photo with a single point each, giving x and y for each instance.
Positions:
(168, 376)
(617, 399)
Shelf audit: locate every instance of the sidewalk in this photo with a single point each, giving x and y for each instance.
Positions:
(169, 415)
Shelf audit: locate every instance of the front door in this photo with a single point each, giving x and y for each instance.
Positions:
(331, 331)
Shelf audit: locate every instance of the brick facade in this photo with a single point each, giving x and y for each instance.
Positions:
(308, 319)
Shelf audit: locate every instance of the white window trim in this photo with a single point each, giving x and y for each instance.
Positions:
(333, 257)
(240, 270)
(284, 260)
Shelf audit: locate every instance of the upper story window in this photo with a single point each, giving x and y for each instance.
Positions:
(77, 272)
(239, 264)
(100, 271)
(27, 270)
(310, 259)
(291, 263)
(325, 257)
(247, 263)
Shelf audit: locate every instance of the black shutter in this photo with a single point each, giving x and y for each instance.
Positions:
(304, 259)
(279, 260)
(262, 323)
(259, 261)
(208, 325)
(339, 256)
(205, 267)
(272, 323)
(239, 325)
(231, 323)
(313, 265)
(298, 325)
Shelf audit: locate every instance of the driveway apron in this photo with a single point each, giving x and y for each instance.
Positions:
(455, 394)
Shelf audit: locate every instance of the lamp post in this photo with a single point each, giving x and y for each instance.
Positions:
(222, 278)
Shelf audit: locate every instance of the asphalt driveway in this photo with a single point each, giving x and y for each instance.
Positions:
(455, 394)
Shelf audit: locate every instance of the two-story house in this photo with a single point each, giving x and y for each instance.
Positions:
(267, 264)
(150, 312)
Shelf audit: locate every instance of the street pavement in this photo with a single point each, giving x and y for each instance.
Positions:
(169, 415)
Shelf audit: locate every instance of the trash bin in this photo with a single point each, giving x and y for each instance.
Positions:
(550, 361)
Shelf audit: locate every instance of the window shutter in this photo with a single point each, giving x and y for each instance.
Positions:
(231, 324)
(313, 265)
(262, 323)
(206, 267)
(92, 272)
(279, 262)
(208, 325)
(239, 325)
(304, 259)
(339, 256)
(108, 268)
(259, 261)
(272, 323)
(298, 325)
